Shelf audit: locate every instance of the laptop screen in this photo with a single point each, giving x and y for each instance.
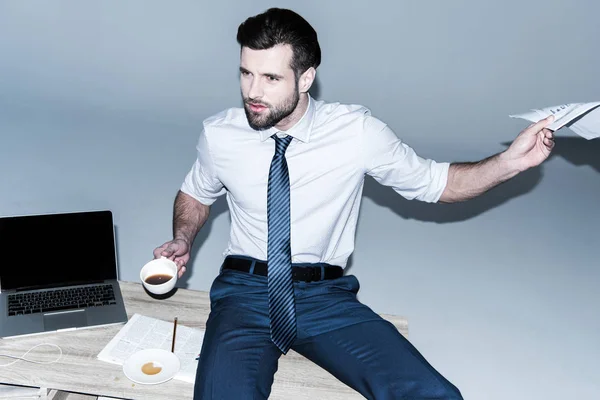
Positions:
(56, 249)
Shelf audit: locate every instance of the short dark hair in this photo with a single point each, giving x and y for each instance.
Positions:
(280, 26)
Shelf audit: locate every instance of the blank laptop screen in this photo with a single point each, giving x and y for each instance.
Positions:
(57, 249)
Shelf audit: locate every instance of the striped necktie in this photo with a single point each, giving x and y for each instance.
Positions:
(279, 259)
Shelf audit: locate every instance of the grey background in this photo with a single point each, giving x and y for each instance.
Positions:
(101, 104)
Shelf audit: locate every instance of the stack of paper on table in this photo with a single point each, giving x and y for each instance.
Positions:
(581, 118)
(143, 332)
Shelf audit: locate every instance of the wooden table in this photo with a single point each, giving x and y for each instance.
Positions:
(80, 371)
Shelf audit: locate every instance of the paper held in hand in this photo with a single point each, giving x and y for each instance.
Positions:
(581, 118)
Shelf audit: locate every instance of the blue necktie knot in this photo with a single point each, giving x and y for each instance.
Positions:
(281, 144)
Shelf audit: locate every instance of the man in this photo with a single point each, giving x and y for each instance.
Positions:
(292, 169)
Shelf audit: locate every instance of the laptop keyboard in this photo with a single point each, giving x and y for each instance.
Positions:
(61, 299)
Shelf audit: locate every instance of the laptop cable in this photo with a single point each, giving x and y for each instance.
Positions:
(32, 361)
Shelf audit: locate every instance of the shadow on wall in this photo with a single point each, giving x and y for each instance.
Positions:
(444, 213)
(577, 151)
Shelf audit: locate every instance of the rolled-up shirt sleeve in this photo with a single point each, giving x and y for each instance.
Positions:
(393, 163)
(202, 182)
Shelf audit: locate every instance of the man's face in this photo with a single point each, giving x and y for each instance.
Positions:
(269, 86)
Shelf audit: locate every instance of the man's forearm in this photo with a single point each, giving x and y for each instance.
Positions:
(189, 215)
(469, 180)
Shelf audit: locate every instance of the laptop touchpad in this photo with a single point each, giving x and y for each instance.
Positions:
(65, 320)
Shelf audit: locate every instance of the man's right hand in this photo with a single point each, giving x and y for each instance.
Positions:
(177, 250)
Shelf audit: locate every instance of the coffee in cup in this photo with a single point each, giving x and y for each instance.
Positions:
(159, 276)
(158, 279)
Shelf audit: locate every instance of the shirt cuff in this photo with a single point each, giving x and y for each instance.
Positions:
(438, 183)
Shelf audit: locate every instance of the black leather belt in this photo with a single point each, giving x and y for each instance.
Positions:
(315, 273)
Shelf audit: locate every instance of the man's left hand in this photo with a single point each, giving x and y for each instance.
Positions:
(532, 146)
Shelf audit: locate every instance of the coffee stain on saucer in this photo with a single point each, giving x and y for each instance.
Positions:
(150, 369)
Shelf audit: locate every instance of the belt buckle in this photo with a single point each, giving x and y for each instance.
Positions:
(315, 274)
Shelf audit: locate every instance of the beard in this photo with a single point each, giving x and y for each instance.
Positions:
(274, 114)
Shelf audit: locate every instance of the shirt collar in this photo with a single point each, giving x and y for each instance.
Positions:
(301, 130)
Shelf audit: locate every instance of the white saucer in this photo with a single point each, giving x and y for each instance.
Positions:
(169, 363)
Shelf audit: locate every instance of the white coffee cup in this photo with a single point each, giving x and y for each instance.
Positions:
(159, 267)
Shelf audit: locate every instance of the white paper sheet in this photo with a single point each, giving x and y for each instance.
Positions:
(581, 118)
(142, 332)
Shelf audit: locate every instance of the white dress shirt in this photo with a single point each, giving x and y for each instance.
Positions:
(333, 147)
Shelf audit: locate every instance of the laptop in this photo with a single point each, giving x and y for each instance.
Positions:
(58, 272)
